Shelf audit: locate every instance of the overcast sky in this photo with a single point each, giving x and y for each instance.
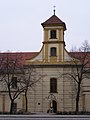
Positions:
(20, 22)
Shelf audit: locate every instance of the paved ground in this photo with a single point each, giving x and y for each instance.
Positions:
(45, 117)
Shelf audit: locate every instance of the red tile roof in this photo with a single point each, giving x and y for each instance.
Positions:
(54, 20)
(84, 57)
(23, 56)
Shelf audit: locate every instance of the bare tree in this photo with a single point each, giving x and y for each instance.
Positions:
(11, 67)
(80, 69)
(16, 77)
(30, 78)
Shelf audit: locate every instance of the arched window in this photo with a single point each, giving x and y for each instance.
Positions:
(53, 85)
(53, 51)
(53, 34)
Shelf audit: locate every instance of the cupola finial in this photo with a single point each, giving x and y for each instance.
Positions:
(54, 9)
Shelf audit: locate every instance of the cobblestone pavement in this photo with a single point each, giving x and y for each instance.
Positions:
(44, 117)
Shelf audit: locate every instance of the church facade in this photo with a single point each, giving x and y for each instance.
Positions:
(55, 91)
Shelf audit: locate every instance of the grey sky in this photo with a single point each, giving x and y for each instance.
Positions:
(20, 22)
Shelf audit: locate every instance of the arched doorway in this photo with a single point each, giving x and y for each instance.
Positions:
(54, 106)
(53, 103)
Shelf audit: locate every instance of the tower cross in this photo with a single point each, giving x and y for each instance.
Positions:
(54, 9)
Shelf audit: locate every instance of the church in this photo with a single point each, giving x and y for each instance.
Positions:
(55, 91)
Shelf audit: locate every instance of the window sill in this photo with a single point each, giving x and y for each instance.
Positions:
(53, 92)
(52, 38)
(53, 56)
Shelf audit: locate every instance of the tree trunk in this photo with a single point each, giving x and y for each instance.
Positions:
(12, 107)
(26, 100)
(77, 98)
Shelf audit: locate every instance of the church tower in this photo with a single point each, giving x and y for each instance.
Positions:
(53, 39)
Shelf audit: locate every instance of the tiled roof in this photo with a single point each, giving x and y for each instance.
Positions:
(23, 56)
(82, 56)
(54, 20)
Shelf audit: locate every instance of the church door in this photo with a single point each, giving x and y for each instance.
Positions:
(54, 106)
